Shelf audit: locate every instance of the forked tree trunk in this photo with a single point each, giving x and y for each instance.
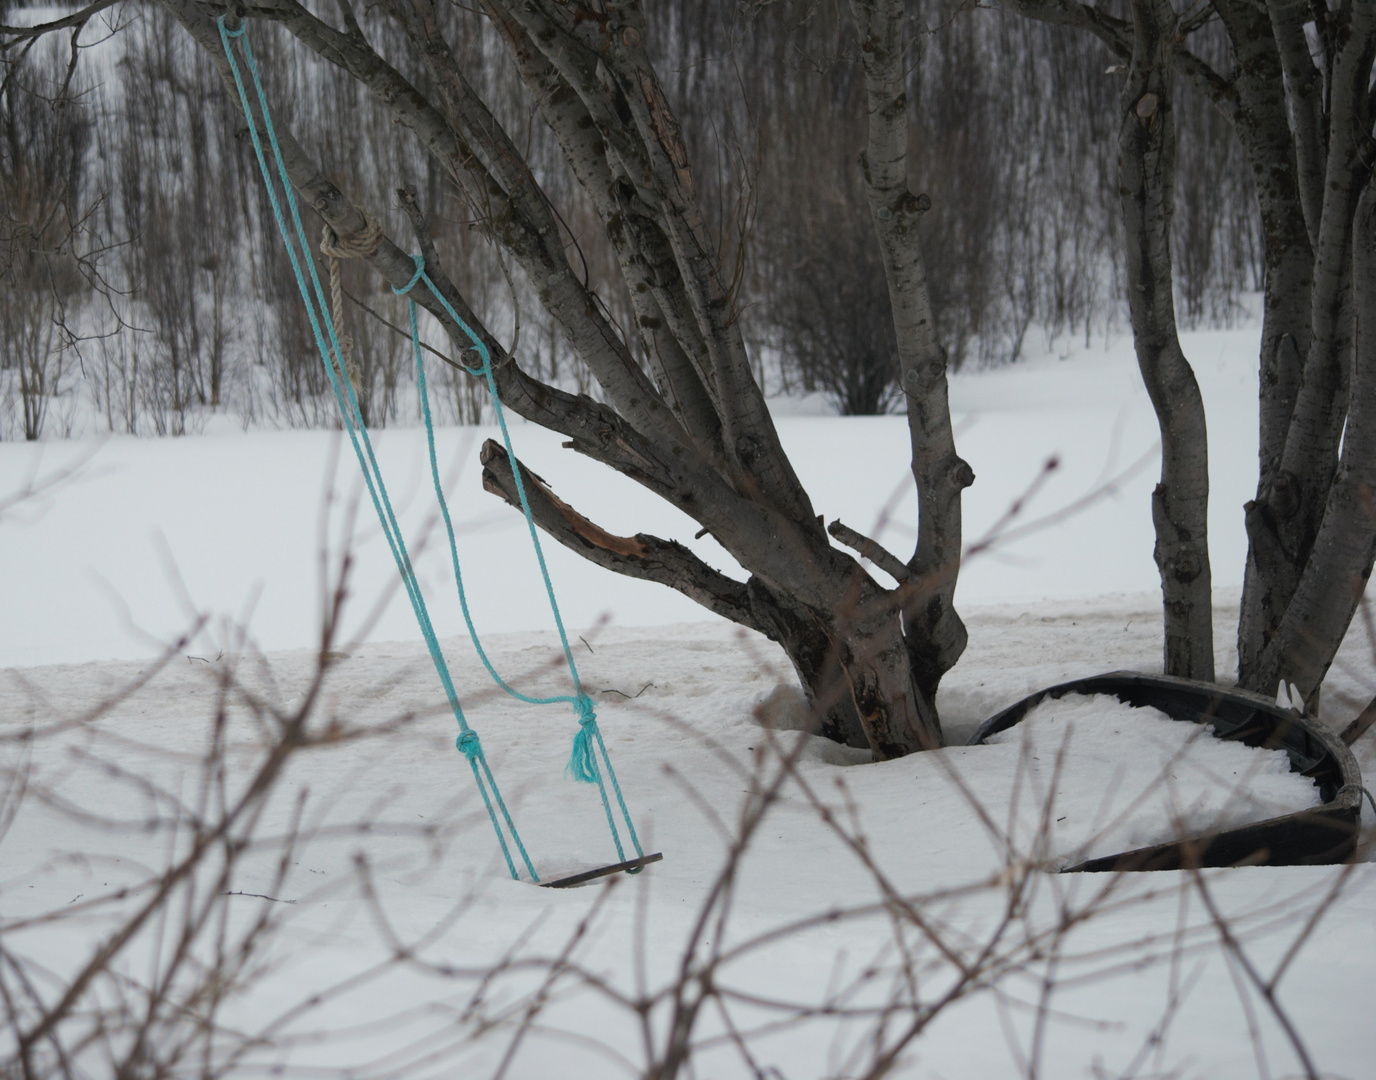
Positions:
(849, 652)
(1297, 90)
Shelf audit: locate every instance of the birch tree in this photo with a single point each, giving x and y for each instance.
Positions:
(692, 424)
(1297, 92)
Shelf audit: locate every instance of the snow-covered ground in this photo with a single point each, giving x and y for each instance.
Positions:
(101, 569)
(150, 531)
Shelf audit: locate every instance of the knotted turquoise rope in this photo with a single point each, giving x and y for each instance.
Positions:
(467, 743)
(583, 764)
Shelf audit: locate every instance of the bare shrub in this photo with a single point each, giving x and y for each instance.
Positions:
(44, 137)
(172, 952)
(1013, 121)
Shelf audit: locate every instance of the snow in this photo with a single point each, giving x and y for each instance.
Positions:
(695, 713)
(1126, 777)
(149, 532)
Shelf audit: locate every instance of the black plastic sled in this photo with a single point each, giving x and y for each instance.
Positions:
(1319, 835)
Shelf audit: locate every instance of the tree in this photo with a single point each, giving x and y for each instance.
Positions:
(1297, 91)
(679, 409)
(694, 428)
(43, 232)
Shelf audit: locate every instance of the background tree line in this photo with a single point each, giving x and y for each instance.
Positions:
(142, 288)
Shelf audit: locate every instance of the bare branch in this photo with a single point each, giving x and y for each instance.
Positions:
(1360, 725)
(641, 556)
(890, 563)
(76, 19)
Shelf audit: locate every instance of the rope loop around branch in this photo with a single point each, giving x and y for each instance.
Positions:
(358, 246)
(419, 260)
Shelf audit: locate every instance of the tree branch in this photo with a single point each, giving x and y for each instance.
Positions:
(1305, 84)
(455, 140)
(648, 558)
(596, 429)
(1117, 35)
(1360, 725)
(77, 18)
(890, 563)
(655, 287)
(1114, 32)
(643, 141)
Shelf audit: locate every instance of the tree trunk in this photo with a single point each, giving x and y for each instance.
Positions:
(1281, 135)
(1339, 565)
(935, 634)
(1180, 503)
(1287, 517)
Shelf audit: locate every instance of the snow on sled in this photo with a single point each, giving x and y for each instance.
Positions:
(1325, 833)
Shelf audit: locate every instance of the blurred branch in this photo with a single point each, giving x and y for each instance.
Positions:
(76, 19)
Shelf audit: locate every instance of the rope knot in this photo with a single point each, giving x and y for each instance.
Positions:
(358, 246)
(468, 745)
(582, 705)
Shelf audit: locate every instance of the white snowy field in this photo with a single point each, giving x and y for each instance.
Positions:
(149, 531)
(394, 854)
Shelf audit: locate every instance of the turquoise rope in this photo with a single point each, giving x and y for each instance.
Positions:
(583, 765)
(468, 742)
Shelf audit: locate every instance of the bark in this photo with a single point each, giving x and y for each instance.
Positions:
(664, 318)
(1180, 502)
(1255, 101)
(642, 143)
(1304, 103)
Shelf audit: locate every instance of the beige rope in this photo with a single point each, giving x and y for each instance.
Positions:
(359, 246)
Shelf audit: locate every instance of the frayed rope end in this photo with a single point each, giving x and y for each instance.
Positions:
(583, 762)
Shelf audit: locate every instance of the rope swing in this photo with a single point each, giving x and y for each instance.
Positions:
(336, 351)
